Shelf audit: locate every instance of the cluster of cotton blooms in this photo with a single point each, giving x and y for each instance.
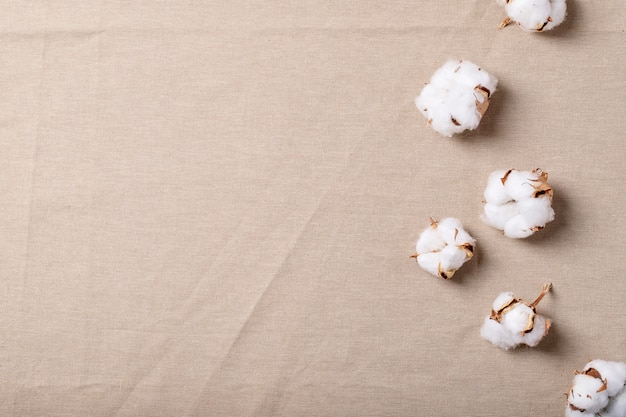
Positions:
(444, 247)
(534, 15)
(513, 321)
(457, 97)
(518, 202)
(599, 390)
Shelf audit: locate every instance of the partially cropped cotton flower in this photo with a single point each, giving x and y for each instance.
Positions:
(513, 321)
(444, 247)
(518, 202)
(456, 97)
(534, 15)
(599, 390)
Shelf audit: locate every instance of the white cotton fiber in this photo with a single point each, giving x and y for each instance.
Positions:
(617, 405)
(599, 390)
(534, 15)
(518, 202)
(456, 97)
(444, 247)
(587, 394)
(613, 372)
(513, 322)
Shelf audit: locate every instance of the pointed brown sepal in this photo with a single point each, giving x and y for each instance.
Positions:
(483, 105)
(506, 175)
(469, 250)
(444, 274)
(593, 373)
(530, 325)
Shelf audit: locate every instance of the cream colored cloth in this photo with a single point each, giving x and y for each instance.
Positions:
(208, 207)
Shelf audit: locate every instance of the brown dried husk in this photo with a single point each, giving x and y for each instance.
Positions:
(484, 105)
(541, 185)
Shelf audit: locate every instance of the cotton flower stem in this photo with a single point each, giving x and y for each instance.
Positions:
(546, 288)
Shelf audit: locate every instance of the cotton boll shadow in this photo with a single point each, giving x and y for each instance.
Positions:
(553, 342)
(488, 127)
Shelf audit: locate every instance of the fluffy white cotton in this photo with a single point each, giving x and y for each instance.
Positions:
(513, 322)
(534, 15)
(613, 372)
(588, 394)
(444, 247)
(518, 202)
(617, 405)
(599, 390)
(456, 97)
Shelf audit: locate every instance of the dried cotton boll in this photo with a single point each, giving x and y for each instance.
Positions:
(534, 15)
(444, 247)
(599, 390)
(513, 321)
(518, 202)
(457, 97)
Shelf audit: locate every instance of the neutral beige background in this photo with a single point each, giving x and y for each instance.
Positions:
(208, 207)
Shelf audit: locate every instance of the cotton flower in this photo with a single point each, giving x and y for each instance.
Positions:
(599, 390)
(513, 321)
(518, 202)
(456, 97)
(534, 15)
(444, 247)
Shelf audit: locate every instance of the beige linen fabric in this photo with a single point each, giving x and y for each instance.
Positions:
(208, 207)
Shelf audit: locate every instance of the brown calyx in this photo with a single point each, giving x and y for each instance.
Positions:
(444, 274)
(469, 250)
(482, 106)
(530, 325)
(594, 373)
(541, 184)
(506, 176)
(497, 314)
(548, 325)
(541, 27)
